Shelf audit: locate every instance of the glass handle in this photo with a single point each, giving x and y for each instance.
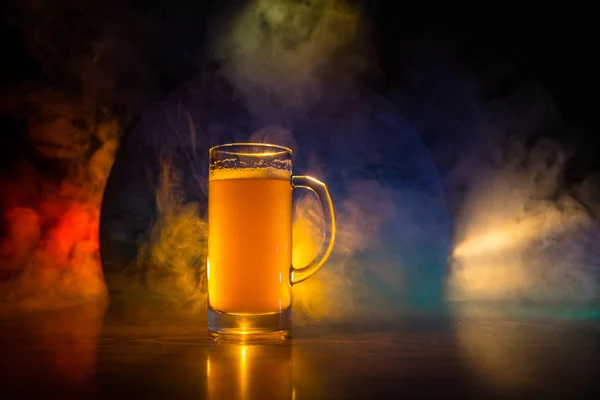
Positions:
(298, 275)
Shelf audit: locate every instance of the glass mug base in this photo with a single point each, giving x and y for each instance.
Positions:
(272, 327)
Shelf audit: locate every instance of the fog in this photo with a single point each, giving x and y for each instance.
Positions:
(441, 192)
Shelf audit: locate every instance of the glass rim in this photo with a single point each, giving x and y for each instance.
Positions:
(224, 147)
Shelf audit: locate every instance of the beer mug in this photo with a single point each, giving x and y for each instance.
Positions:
(249, 265)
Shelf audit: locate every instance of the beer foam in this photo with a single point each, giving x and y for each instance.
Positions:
(248, 173)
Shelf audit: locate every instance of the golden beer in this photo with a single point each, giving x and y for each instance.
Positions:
(250, 251)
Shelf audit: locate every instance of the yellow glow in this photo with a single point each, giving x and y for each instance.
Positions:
(505, 237)
(488, 261)
(239, 371)
(175, 253)
(244, 331)
(244, 373)
(208, 366)
(278, 45)
(306, 241)
(499, 256)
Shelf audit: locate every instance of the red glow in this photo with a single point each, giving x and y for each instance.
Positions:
(50, 246)
(76, 225)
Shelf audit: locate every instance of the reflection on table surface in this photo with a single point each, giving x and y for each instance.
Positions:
(239, 371)
(80, 353)
(57, 348)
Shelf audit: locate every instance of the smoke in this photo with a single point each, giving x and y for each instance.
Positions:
(391, 228)
(522, 238)
(522, 234)
(80, 74)
(341, 290)
(392, 223)
(282, 55)
(523, 231)
(298, 67)
(291, 73)
(173, 262)
(50, 249)
(51, 194)
(588, 192)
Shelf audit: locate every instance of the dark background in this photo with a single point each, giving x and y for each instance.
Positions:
(500, 55)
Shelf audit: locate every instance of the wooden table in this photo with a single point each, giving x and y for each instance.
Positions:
(86, 353)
